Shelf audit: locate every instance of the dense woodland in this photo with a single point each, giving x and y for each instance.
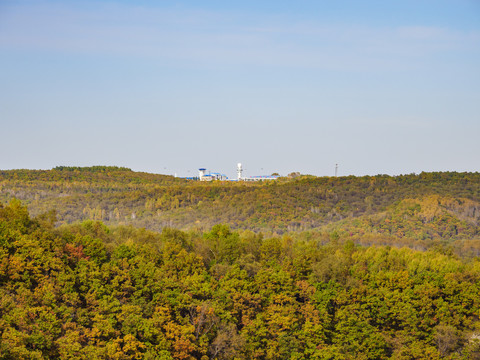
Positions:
(85, 291)
(419, 211)
(107, 263)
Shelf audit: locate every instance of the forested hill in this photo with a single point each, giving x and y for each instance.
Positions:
(86, 291)
(121, 196)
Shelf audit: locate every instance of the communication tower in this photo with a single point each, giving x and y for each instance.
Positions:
(239, 171)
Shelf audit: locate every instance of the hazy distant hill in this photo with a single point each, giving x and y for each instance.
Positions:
(426, 206)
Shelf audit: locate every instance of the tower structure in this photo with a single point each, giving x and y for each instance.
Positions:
(239, 171)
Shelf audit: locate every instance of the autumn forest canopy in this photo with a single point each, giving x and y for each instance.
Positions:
(108, 263)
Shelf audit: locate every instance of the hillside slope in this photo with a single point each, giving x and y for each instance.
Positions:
(120, 196)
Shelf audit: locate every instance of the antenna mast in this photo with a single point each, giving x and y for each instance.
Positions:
(336, 170)
(239, 171)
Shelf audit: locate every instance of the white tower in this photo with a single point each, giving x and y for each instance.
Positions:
(239, 171)
(201, 173)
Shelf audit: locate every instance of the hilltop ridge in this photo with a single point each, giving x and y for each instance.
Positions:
(428, 206)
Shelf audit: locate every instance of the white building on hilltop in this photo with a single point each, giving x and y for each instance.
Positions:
(203, 176)
(253, 178)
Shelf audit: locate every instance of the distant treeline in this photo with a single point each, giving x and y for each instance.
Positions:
(98, 168)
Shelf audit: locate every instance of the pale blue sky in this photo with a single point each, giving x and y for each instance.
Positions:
(169, 86)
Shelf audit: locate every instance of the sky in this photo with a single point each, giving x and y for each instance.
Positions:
(377, 87)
